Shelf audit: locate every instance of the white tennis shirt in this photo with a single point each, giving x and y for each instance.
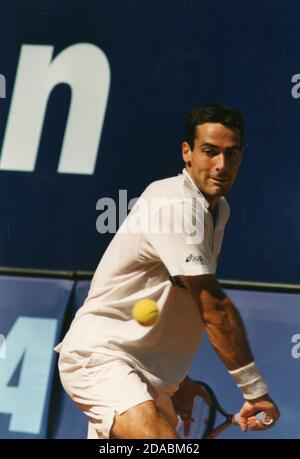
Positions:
(169, 232)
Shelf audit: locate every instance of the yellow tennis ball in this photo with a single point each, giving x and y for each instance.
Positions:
(145, 312)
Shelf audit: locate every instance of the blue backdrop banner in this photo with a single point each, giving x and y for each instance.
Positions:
(32, 312)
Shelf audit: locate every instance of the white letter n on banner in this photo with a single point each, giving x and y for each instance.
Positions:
(85, 68)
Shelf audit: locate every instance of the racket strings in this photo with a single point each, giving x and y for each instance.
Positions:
(201, 414)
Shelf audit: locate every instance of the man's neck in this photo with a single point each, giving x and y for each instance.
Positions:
(213, 202)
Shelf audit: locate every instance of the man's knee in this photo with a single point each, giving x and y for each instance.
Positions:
(142, 421)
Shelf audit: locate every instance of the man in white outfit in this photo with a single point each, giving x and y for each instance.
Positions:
(131, 380)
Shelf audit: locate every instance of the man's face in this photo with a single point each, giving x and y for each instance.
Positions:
(215, 159)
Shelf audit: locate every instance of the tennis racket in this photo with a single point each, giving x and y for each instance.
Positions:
(205, 410)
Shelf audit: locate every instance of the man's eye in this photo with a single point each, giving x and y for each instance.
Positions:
(209, 152)
(233, 154)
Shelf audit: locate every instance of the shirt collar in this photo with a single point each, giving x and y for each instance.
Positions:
(194, 186)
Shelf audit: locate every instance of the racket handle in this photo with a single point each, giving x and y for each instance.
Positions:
(263, 417)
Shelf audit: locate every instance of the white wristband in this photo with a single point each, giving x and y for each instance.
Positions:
(250, 381)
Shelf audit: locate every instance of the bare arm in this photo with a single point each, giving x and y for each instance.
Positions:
(227, 334)
(221, 319)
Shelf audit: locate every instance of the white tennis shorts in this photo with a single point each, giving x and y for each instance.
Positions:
(103, 390)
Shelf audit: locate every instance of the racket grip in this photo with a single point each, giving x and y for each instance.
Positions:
(263, 417)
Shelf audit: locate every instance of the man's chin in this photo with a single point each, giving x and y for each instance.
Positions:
(217, 191)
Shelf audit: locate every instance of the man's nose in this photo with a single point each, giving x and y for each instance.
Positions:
(221, 162)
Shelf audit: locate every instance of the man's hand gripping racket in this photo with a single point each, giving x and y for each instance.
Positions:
(202, 424)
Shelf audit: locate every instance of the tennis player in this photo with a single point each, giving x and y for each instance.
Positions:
(131, 381)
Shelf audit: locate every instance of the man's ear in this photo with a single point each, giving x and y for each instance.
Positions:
(186, 154)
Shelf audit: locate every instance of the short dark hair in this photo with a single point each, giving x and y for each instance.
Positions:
(213, 113)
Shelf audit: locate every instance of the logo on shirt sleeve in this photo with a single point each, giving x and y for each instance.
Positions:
(194, 258)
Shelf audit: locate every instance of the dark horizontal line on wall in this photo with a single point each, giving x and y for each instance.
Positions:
(87, 275)
(260, 286)
(32, 272)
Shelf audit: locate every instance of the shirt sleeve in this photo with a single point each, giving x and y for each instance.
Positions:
(180, 240)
